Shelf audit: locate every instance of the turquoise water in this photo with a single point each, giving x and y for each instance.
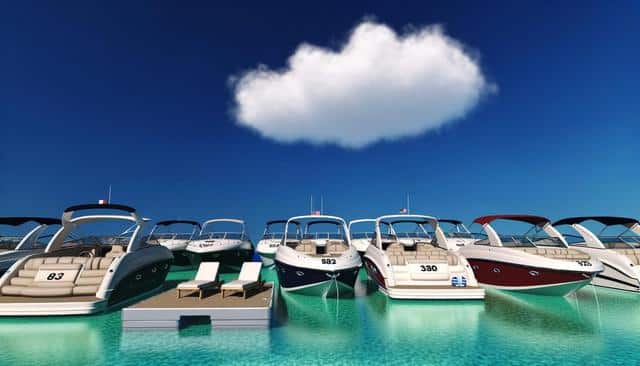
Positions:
(595, 326)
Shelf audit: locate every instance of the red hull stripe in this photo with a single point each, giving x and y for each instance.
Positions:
(513, 275)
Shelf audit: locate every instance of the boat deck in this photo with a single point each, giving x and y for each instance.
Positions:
(167, 311)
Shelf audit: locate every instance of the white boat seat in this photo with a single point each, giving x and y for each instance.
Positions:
(116, 251)
(89, 280)
(307, 247)
(91, 275)
(85, 290)
(27, 273)
(336, 247)
(46, 291)
(22, 281)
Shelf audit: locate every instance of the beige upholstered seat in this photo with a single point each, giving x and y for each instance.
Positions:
(116, 251)
(90, 276)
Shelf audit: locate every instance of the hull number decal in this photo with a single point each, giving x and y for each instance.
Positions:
(428, 268)
(328, 261)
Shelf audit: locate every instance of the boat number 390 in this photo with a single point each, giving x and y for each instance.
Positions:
(428, 268)
(328, 261)
(584, 263)
(55, 276)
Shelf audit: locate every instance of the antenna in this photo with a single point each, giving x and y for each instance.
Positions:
(109, 199)
(408, 207)
(311, 204)
(321, 205)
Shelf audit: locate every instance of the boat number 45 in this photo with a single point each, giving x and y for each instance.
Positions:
(584, 263)
(328, 261)
(428, 268)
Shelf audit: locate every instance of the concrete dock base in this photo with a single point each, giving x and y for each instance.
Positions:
(166, 311)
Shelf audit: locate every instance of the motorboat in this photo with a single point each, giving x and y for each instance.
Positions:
(230, 248)
(537, 262)
(164, 233)
(417, 265)
(619, 253)
(16, 244)
(85, 274)
(361, 239)
(456, 232)
(322, 262)
(271, 239)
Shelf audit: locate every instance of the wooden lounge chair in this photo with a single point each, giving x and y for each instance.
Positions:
(206, 279)
(249, 279)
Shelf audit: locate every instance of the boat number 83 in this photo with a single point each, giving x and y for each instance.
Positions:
(428, 268)
(55, 276)
(328, 261)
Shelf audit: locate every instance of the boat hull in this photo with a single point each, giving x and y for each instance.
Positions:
(421, 292)
(529, 279)
(314, 281)
(228, 258)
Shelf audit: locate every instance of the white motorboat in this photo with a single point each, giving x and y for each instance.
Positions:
(230, 248)
(165, 234)
(537, 262)
(16, 244)
(322, 262)
(619, 253)
(271, 239)
(359, 238)
(456, 232)
(416, 265)
(85, 274)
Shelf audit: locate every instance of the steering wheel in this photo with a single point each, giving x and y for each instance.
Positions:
(87, 253)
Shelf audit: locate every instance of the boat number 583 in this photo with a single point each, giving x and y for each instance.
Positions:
(584, 263)
(328, 261)
(55, 276)
(428, 268)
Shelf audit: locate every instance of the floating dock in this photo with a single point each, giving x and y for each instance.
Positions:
(166, 311)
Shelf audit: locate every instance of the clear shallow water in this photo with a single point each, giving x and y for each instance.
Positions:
(596, 326)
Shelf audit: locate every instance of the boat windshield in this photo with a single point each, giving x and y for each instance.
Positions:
(10, 237)
(223, 230)
(454, 230)
(620, 242)
(9, 242)
(222, 235)
(370, 235)
(177, 231)
(411, 230)
(106, 232)
(278, 234)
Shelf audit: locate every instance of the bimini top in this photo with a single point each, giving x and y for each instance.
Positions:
(16, 221)
(172, 222)
(98, 206)
(275, 222)
(451, 221)
(533, 220)
(397, 219)
(319, 219)
(604, 220)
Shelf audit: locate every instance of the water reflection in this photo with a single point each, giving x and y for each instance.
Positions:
(55, 341)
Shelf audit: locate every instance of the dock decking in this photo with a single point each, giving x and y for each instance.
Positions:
(166, 311)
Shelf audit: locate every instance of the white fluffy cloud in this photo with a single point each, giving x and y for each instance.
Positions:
(378, 86)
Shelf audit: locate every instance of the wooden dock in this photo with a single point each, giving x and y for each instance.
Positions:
(166, 311)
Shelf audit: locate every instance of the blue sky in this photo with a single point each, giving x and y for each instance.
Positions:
(138, 96)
